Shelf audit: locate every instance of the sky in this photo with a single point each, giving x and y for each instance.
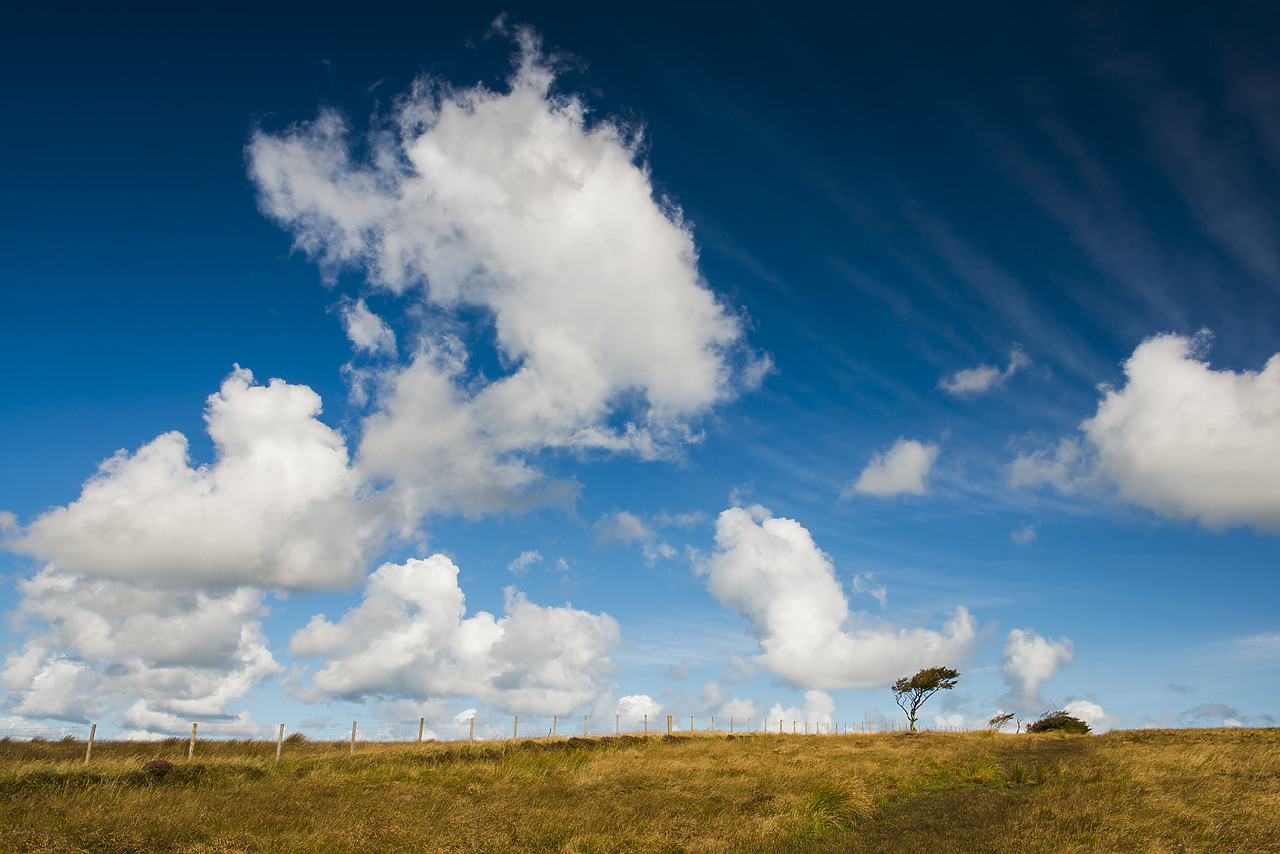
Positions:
(554, 359)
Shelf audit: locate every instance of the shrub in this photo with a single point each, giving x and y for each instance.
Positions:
(1060, 722)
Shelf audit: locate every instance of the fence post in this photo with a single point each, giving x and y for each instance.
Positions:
(422, 723)
(668, 724)
(730, 725)
(779, 726)
(191, 747)
(353, 738)
(584, 726)
(515, 728)
(553, 725)
(713, 724)
(471, 733)
(748, 726)
(279, 742)
(690, 723)
(617, 724)
(89, 749)
(646, 723)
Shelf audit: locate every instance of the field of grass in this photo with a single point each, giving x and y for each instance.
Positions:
(1140, 791)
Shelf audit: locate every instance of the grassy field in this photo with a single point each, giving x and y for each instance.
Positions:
(1147, 791)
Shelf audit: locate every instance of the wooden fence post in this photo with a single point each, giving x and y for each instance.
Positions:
(515, 728)
(690, 723)
(471, 733)
(89, 749)
(422, 724)
(584, 726)
(191, 747)
(279, 742)
(748, 726)
(646, 723)
(713, 724)
(617, 724)
(353, 738)
(668, 724)
(553, 725)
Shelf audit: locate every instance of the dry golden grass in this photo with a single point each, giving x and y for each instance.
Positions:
(1152, 791)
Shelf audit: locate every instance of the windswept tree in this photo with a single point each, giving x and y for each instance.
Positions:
(998, 721)
(911, 693)
(1060, 722)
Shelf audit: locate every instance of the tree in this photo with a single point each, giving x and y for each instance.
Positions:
(998, 721)
(911, 694)
(1060, 722)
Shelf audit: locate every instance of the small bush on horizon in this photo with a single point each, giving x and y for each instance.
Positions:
(1060, 721)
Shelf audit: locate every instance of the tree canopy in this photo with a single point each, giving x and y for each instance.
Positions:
(911, 693)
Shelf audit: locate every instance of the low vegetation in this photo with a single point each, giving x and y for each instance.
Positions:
(1140, 791)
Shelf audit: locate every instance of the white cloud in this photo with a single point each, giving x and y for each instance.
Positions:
(409, 638)
(983, 378)
(622, 526)
(367, 332)
(521, 564)
(818, 708)
(636, 706)
(1065, 466)
(1029, 660)
(1190, 442)
(1025, 535)
(1179, 438)
(1092, 714)
(770, 571)
(156, 657)
(900, 470)
(276, 508)
(628, 528)
(513, 203)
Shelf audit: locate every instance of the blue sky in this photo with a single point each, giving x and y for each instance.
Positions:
(563, 360)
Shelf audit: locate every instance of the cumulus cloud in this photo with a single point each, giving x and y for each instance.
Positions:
(515, 204)
(276, 508)
(1029, 660)
(1180, 438)
(521, 564)
(409, 638)
(983, 378)
(621, 526)
(367, 332)
(636, 706)
(770, 571)
(155, 657)
(818, 708)
(1092, 714)
(901, 470)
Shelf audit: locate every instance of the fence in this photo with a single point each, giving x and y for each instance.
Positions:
(472, 729)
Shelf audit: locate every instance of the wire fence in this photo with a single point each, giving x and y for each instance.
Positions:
(213, 735)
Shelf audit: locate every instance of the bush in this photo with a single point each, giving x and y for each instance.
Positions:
(1060, 722)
